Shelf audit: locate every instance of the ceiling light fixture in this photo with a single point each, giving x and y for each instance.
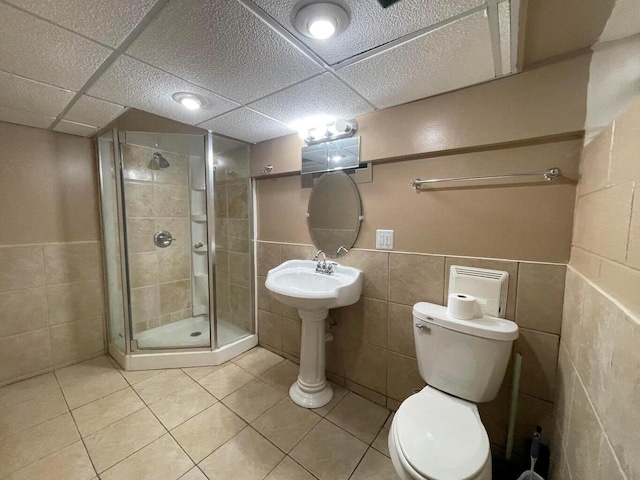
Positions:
(188, 100)
(321, 20)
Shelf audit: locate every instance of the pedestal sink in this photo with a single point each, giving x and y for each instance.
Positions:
(296, 283)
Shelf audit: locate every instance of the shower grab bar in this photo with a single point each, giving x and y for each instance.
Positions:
(548, 175)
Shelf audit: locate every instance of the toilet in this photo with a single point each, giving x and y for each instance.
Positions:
(437, 433)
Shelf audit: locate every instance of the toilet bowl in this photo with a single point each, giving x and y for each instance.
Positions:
(435, 436)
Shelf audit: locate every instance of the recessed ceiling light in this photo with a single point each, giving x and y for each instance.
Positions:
(321, 20)
(188, 100)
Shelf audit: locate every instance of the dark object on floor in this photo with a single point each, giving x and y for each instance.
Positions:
(503, 470)
(387, 3)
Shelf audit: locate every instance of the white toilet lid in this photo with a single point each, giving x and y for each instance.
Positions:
(441, 436)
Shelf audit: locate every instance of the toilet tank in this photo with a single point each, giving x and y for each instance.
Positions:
(465, 358)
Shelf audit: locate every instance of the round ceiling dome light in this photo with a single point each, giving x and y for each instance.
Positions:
(321, 20)
(188, 100)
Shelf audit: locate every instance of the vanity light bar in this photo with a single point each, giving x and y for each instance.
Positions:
(327, 133)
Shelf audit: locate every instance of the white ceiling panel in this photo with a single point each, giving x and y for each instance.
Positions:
(446, 59)
(24, 118)
(35, 49)
(135, 84)
(106, 21)
(30, 96)
(74, 128)
(371, 25)
(323, 95)
(221, 46)
(247, 125)
(92, 111)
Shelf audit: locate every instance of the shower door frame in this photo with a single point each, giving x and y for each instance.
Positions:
(179, 357)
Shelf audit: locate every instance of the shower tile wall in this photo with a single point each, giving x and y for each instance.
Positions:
(373, 354)
(51, 307)
(157, 200)
(233, 259)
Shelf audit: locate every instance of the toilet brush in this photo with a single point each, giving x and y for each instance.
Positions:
(535, 451)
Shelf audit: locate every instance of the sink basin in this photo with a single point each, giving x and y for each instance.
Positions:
(296, 283)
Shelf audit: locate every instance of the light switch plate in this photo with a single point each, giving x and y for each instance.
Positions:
(384, 239)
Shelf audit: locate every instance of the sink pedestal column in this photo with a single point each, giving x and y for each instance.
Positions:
(311, 390)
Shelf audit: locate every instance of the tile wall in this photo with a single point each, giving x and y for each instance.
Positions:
(52, 304)
(372, 352)
(51, 307)
(157, 199)
(598, 394)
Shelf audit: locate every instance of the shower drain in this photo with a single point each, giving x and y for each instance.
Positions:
(196, 334)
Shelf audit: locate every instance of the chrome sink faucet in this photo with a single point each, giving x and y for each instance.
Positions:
(323, 266)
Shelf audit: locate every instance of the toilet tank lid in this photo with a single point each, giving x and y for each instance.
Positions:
(486, 327)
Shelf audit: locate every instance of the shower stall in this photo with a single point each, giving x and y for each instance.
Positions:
(178, 252)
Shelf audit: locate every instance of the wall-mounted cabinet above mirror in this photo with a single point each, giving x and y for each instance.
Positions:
(332, 155)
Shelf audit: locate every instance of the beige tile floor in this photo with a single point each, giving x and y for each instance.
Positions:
(234, 421)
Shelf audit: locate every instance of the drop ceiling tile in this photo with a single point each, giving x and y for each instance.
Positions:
(35, 49)
(92, 111)
(221, 46)
(135, 84)
(446, 59)
(30, 96)
(370, 25)
(247, 125)
(106, 21)
(24, 118)
(323, 95)
(74, 128)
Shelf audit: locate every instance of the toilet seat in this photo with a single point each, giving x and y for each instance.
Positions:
(440, 437)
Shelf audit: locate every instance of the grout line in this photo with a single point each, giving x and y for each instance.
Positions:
(593, 409)
(600, 257)
(95, 470)
(631, 213)
(447, 255)
(168, 432)
(610, 159)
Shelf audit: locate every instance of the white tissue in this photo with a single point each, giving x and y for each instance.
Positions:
(463, 306)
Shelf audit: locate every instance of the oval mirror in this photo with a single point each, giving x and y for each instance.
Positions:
(334, 213)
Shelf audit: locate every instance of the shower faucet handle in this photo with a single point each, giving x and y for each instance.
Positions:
(163, 239)
(198, 245)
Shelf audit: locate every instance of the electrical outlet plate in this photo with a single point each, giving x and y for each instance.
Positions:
(384, 239)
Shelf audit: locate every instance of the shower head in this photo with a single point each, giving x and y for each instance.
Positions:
(158, 161)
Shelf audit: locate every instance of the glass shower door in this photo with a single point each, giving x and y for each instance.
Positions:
(233, 235)
(165, 218)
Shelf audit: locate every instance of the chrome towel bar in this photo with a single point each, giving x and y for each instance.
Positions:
(549, 175)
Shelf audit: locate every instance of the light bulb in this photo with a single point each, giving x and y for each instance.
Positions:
(321, 28)
(190, 103)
